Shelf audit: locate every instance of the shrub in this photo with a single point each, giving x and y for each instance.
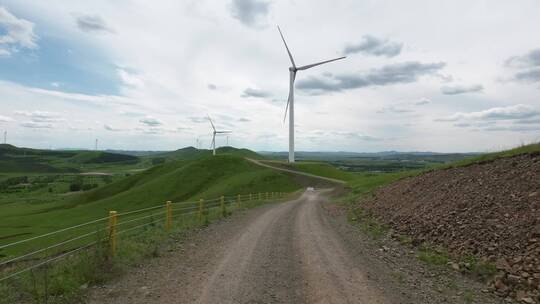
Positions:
(75, 187)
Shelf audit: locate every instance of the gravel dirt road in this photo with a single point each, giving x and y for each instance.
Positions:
(292, 252)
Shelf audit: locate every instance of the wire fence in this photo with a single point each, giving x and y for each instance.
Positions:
(65, 242)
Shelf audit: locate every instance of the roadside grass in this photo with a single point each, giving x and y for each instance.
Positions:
(489, 157)
(435, 256)
(367, 223)
(66, 280)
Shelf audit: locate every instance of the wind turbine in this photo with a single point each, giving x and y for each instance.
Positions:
(214, 135)
(290, 101)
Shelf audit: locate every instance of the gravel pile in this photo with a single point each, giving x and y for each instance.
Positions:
(490, 210)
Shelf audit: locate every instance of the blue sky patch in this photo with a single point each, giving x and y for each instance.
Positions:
(60, 65)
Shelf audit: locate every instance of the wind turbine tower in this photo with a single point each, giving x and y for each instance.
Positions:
(214, 135)
(290, 101)
(5, 137)
(96, 145)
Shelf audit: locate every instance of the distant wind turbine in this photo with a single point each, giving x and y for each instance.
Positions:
(214, 134)
(290, 101)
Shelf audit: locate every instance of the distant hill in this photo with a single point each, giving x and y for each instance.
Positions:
(387, 161)
(25, 160)
(190, 153)
(387, 155)
(135, 152)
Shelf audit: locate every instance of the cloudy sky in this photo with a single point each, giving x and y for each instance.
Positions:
(419, 75)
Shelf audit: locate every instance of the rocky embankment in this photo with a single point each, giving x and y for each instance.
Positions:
(489, 210)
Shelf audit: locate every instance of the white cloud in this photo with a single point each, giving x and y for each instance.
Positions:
(375, 46)
(423, 101)
(257, 93)
(41, 116)
(92, 23)
(18, 33)
(519, 111)
(461, 89)
(130, 79)
(151, 121)
(77, 97)
(36, 125)
(250, 12)
(5, 118)
(111, 128)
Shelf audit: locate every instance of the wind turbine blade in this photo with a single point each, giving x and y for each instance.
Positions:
(222, 132)
(289, 52)
(291, 87)
(305, 67)
(210, 119)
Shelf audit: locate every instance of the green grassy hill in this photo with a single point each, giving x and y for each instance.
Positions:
(190, 153)
(207, 177)
(186, 153)
(25, 160)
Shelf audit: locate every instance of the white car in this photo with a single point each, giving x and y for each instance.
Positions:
(310, 189)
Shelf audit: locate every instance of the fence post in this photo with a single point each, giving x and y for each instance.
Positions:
(168, 215)
(223, 208)
(201, 210)
(238, 200)
(250, 198)
(112, 232)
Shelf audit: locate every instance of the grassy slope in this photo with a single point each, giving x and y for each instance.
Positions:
(325, 170)
(364, 184)
(316, 168)
(207, 177)
(525, 149)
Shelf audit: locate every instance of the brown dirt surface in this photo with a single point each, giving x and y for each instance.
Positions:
(291, 252)
(489, 210)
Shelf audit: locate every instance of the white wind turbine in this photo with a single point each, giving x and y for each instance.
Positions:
(290, 101)
(214, 134)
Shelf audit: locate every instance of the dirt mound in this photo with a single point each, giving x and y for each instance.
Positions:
(489, 210)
